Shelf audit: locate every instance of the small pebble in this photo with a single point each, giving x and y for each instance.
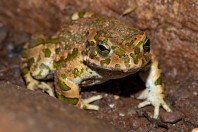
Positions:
(105, 95)
(111, 106)
(116, 97)
(121, 114)
(195, 93)
(170, 117)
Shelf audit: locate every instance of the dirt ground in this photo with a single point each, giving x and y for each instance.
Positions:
(172, 27)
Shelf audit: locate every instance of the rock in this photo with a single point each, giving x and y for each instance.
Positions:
(3, 33)
(24, 110)
(170, 117)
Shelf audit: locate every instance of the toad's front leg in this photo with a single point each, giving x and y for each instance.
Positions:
(68, 91)
(153, 94)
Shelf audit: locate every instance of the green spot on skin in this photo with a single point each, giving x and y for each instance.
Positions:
(137, 47)
(63, 85)
(117, 66)
(85, 107)
(36, 42)
(30, 62)
(55, 64)
(158, 81)
(77, 72)
(25, 71)
(93, 54)
(67, 47)
(72, 55)
(27, 83)
(53, 40)
(47, 52)
(39, 74)
(24, 53)
(106, 61)
(63, 76)
(73, 101)
(118, 51)
(135, 58)
(126, 60)
(43, 66)
(61, 62)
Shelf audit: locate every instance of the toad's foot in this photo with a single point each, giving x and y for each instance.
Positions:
(155, 99)
(85, 103)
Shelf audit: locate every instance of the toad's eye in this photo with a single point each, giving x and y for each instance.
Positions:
(146, 45)
(103, 48)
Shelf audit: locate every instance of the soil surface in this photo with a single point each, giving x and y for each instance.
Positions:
(172, 27)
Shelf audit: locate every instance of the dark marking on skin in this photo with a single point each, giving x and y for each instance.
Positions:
(158, 81)
(47, 52)
(73, 101)
(137, 47)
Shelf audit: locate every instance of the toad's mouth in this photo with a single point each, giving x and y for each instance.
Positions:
(112, 70)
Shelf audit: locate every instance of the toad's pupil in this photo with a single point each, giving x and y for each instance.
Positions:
(102, 48)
